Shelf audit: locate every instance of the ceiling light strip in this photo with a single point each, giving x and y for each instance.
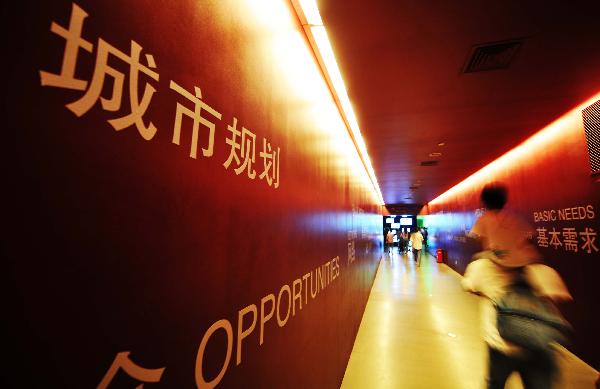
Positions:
(551, 134)
(311, 21)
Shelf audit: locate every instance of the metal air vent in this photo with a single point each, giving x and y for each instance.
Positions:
(591, 123)
(430, 163)
(492, 56)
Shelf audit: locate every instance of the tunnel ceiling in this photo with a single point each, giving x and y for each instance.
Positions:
(405, 67)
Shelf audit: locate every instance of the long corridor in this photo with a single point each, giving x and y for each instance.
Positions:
(421, 330)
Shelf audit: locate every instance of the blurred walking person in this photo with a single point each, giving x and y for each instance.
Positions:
(403, 242)
(417, 245)
(508, 263)
(389, 242)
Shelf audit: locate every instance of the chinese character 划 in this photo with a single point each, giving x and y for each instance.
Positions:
(270, 164)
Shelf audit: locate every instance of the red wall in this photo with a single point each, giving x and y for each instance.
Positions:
(549, 174)
(119, 241)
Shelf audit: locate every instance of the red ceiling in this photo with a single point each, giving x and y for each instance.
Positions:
(402, 63)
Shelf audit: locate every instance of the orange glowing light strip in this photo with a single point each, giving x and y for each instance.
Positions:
(309, 16)
(520, 154)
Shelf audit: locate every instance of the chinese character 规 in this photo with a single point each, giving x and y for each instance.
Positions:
(246, 146)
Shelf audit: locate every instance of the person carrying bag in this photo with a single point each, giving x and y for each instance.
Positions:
(521, 324)
(529, 320)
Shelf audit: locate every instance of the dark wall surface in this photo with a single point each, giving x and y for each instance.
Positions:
(239, 253)
(550, 186)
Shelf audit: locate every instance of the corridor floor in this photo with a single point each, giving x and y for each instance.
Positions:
(421, 330)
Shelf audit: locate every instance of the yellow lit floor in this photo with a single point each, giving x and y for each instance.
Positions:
(421, 330)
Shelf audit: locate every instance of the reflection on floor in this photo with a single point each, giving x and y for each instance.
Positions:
(421, 330)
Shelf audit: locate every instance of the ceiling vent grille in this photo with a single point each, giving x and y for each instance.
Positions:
(430, 163)
(591, 123)
(492, 56)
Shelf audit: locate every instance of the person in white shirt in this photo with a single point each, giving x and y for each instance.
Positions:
(389, 242)
(417, 245)
(505, 237)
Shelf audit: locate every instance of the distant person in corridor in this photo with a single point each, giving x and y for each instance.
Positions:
(509, 257)
(402, 242)
(417, 245)
(389, 242)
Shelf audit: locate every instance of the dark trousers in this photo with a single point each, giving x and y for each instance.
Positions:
(417, 256)
(537, 370)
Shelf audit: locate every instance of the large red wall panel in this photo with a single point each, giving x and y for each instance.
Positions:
(125, 246)
(550, 185)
